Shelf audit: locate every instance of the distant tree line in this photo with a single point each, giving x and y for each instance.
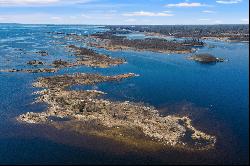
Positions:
(234, 31)
(149, 43)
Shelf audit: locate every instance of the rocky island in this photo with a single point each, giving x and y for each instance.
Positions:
(91, 58)
(205, 58)
(85, 112)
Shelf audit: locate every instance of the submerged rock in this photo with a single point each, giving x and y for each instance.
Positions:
(35, 62)
(205, 58)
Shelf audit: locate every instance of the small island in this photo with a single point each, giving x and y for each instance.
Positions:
(205, 58)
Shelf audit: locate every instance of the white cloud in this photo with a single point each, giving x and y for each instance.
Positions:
(46, 18)
(38, 2)
(25, 2)
(150, 14)
(167, 11)
(186, 4)
(228, 1)
(208, 11)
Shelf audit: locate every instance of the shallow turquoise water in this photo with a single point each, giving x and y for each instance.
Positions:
(215, 96)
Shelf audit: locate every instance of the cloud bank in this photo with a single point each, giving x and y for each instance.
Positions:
(39, 2)
(149, 14)
(228, 1)
(186, 4)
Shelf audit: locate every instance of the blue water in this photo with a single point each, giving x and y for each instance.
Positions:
(215, 96)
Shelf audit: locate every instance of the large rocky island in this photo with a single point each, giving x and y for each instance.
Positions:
(86, 112)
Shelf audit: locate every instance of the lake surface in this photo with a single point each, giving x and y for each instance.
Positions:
(214, 96)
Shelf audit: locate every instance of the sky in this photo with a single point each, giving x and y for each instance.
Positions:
(129, 12)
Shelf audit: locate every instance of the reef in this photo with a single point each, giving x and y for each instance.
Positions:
(135, 124)
(205, 58)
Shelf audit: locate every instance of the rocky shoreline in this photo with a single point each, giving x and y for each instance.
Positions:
(86, 112)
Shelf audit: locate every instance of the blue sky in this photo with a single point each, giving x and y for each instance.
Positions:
(125, 11)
